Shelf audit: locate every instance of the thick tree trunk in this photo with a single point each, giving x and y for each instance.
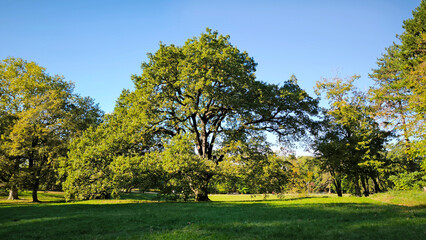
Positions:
(202, 197)
(201, 192)
(35, 189)
(13, 193)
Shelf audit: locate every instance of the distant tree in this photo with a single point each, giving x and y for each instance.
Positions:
(307, 175)
(400, 88)
(352, 143)
(250, 166)
(409, 181)
(40, 114)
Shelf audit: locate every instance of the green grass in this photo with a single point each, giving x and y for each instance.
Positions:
(405, 198)
(137, 216)
(26, 197)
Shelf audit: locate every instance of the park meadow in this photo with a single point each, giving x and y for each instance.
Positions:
(392, 215)
(200, 148)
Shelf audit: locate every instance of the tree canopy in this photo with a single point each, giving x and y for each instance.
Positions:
(351, 144)
(199, 121)
(400, 87)
(207, 90)
(39, 115)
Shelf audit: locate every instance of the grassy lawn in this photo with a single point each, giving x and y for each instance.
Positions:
(137, 216)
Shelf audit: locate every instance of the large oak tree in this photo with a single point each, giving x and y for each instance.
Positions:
(206, 89)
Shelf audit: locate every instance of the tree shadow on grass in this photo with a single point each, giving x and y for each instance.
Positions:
(308, 218)
(271, 200)
(139, 196)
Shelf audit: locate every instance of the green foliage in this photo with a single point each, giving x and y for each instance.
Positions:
(204, 90)
(185, 171)
(39, 116)
(351, 144)
(207, 88)
(251, 167)
(409, 181)
(104, 160)
(307, 176)
(401, 161)
(400, 88)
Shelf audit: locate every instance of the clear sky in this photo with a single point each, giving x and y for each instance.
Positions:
(100, 44)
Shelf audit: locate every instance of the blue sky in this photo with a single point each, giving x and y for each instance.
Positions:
(100, 44)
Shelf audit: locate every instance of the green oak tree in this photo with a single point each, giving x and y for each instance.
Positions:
(207, 90)
(39, 115)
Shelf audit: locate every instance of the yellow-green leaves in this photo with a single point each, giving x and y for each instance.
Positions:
(351, 142)
(205, 89)
(39, 115)
(399, 93)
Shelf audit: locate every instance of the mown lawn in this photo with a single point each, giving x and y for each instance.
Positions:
(136, 216)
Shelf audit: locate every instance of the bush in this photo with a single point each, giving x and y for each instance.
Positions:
(409, 181)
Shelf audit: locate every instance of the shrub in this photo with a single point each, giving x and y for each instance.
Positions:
(409, 181)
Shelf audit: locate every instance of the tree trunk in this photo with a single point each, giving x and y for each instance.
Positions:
(202, 196)
(376, 186)
(13, 193)
(35, 189)
(201, 191)
(357, 187)
(365, 186)
(338, 185)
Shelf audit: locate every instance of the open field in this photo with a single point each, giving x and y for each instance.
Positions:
(137, 216)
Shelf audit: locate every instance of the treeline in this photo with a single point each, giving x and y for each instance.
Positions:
(197, 123)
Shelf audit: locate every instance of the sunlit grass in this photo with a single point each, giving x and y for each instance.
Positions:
(264, 197)
(247, 197)
(139, 216)
(43, 196)
(405, 198)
